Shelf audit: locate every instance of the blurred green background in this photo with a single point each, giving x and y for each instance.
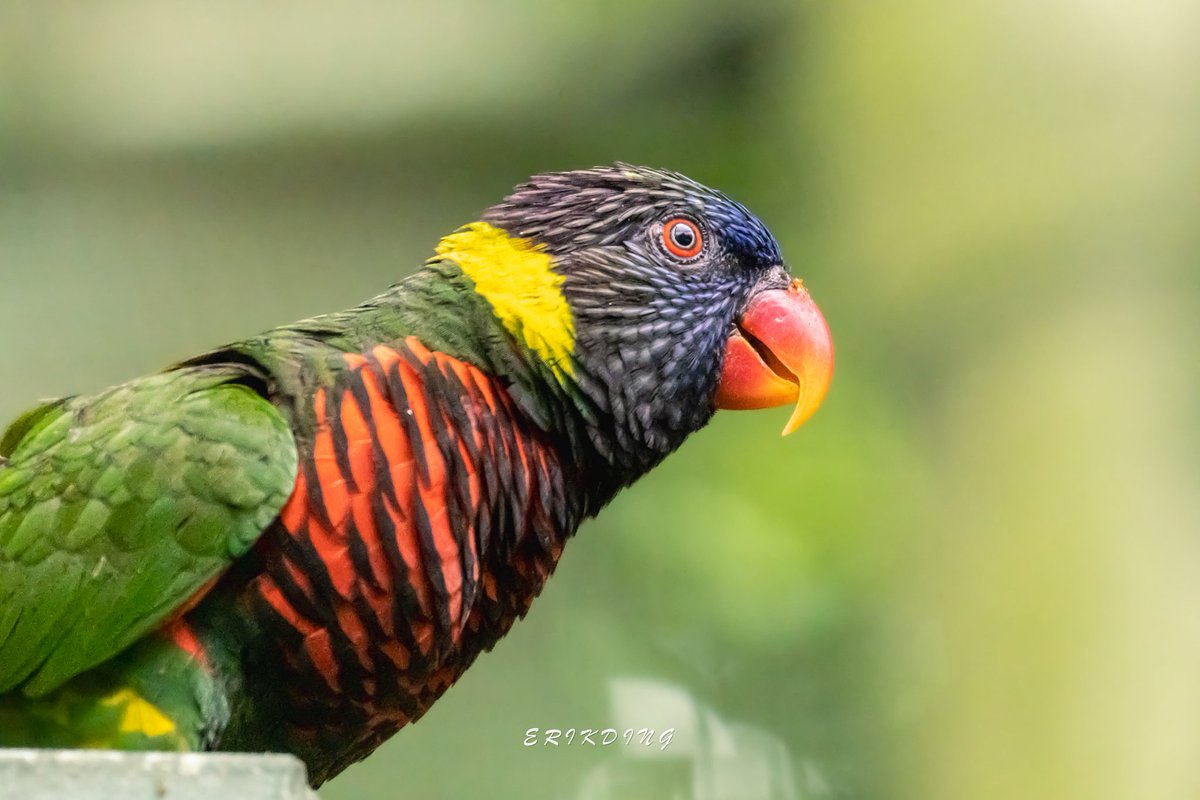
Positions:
(974, 574)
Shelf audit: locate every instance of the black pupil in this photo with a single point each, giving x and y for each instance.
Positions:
(683, 236)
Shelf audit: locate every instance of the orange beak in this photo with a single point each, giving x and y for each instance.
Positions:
(780, 352)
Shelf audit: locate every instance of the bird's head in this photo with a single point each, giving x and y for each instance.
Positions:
(649, 300)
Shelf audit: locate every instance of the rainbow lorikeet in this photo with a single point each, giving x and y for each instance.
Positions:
(297, 542)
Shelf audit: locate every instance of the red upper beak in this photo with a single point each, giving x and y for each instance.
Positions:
(780, 352)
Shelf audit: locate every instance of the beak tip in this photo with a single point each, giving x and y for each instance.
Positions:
(800, 415)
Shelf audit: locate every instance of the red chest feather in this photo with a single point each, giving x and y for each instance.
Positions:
(421, 525)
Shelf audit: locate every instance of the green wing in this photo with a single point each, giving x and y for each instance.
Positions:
(116, 508)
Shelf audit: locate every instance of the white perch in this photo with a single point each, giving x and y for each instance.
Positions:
(109, 775)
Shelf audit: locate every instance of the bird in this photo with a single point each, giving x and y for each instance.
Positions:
(299, 541)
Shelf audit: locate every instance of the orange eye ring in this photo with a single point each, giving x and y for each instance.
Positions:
(682, 238)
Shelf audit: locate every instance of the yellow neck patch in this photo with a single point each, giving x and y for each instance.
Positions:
(515, 276)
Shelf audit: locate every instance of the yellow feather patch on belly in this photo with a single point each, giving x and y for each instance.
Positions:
(139, 715)
(515, 276)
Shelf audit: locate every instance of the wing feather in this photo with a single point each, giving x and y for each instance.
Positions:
(116, 508)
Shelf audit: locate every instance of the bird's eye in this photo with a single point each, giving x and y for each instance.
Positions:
(682, 238)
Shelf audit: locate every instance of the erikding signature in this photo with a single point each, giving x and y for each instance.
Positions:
(596, 737)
